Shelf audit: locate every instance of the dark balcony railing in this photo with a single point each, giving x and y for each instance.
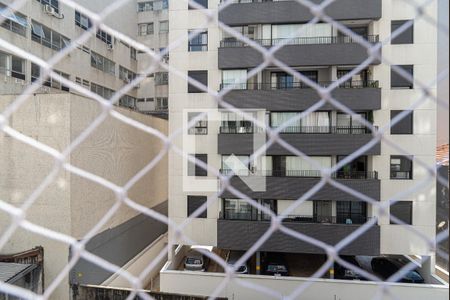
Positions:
(254, 215)
(303, 173)
(300, 130)
(319, 40)
(354, 84)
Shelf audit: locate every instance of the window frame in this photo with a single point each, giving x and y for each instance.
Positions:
(410, 206)
(401, 169)
(200, 127)
(203, 46)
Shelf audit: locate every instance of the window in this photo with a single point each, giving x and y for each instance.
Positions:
(161, 78)
(126, 75)
(406, 37)
(50, 82)
(105, 37)
(200, 127)
(153, 5)
(145, 29)
(199, 42)
(13, 21)
(52, 3)
(399, 82)
(405, 125)
(127, 101)
(196, 170)
(133, 53)
(82, 21)
(145, 6)
(237, 122)
(203, 3)
(315, 122)
(194, 202)
(235, 79)
(201, 77)
(401, 167)
(102, 63)
(236, 209)
(48, 37)
(162, 103)
(403, 211)
(163, 26)
(102, 91)
(351, 212)
(12, 66)
(348, 124)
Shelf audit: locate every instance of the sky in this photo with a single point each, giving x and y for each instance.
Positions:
(443, 86)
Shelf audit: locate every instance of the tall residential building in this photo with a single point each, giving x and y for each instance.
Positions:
(56, 115)
(323, 54)
(103, 64)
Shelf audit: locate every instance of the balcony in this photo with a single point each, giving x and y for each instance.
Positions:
(302, 51)
(311, 140)
(357, 95)
(290, 185)
(243, 234)
(283, 12)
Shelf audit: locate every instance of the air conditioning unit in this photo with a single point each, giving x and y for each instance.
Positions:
(110, 47)
(52, 11)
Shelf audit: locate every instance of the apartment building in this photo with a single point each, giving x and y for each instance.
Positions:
(103, 64)
(55, 115)
(323, 54)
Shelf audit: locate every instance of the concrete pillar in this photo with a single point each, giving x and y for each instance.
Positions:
(428, 268)
(334, 73)
(258, 263)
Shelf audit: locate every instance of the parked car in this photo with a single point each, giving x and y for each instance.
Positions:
(233, 257)
(275, 265)
(386, 267)
(342, 272)
(195, 261)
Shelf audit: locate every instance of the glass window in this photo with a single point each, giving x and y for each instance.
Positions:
(164, 26)
(13, 21)
(236, 79)
(402, 210)
(398, 81)
(195, 202)
(203, 3)
(351, 212)
(405, 125)
(201, 77)
(194, 169)
(235, 209)
(82, 20)
(145, 29)
(407, 34)
(200, 127)
(401, 167)
(199, 42)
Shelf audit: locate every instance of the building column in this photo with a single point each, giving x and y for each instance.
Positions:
(258, 263)
(428, 268)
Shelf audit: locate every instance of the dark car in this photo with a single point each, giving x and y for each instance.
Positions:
(342, 272)
(275, 265)
(386, 267)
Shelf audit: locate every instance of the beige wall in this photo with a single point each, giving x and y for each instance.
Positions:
(72, 205)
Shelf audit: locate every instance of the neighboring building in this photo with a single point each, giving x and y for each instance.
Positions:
(103, 64)
(322, 54)
(72, 205)
(442, 202)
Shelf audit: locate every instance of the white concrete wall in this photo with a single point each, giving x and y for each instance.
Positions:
(204, 284)
(72, 205)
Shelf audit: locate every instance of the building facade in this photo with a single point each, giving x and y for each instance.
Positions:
(103, 64)
(323, 54)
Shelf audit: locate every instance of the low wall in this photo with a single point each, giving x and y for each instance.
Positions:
(204, 284)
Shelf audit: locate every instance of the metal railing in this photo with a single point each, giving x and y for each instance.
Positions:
(300, 130)
(302, 173)
(353, 84)
(253, 215)
(318, 40)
